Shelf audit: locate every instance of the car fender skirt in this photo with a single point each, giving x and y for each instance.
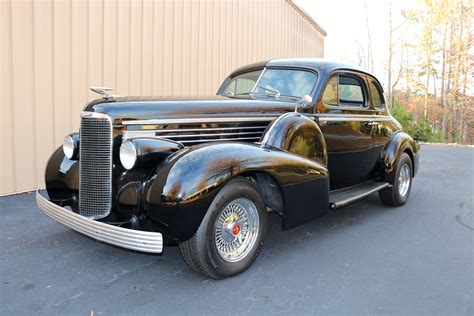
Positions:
(180, 192)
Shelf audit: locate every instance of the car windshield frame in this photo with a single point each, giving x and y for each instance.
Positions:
(227, 82)
(280, 96)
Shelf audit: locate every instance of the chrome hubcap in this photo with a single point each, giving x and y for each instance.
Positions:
(236, 229)
(404, 179)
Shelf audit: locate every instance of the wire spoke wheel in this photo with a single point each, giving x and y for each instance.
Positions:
(401, 180)
(404, 179)
(236, 229)
(231, 233)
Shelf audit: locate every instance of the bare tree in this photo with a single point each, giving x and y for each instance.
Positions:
(392, 43)
(370, 58)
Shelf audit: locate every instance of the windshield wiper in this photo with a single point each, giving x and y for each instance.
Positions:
(275, 92)
(234, 96)
(290, 97)
(282, 97)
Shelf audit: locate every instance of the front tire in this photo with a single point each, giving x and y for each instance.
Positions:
(401, 180)
(231, 234)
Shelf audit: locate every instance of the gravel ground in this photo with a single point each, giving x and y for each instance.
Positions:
(362, 259)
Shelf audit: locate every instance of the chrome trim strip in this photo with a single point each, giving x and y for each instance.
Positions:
(361, 118)
(352, 119)
(95, 114)
(200, 120)
(133, 134)
(207, 129)
(352, 115)
(218, 140)
(321, 117)
(127, 133)
(258, 80)
(122, 237)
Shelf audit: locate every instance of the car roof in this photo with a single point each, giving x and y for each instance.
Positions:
(322, 66)
(318, 64)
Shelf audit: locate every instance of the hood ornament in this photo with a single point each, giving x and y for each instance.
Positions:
(104, 91)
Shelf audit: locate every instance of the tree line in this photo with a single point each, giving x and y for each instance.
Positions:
(430, 86)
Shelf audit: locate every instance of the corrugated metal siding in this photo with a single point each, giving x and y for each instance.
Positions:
(52, 51)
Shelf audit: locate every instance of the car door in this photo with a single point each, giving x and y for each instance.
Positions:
(383, 127)
(346, 122)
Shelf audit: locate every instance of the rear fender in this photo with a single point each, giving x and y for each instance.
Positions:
(399, 143)
(180, 192)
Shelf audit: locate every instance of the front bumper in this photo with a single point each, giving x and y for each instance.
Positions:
(122, 237)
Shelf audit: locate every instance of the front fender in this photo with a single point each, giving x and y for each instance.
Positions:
(297, 134)
(62, 178)
(399, 143)
(62, 184)
(182, 189)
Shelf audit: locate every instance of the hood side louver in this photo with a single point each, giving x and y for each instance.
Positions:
(192, 133)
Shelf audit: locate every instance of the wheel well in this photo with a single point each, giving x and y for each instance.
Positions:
(269, 189)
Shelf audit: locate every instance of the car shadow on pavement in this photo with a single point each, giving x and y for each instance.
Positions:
(75, 269)
(278, 243)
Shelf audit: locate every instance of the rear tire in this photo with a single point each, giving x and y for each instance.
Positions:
(231, 234)
(401, 181)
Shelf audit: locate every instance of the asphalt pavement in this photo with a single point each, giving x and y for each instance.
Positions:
(365, 258)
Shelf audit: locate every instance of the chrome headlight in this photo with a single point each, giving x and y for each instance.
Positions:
(128, 155)
(71, 146)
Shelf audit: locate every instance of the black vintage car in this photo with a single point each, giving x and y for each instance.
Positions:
(293, 136)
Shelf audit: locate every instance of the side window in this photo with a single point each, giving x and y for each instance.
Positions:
(242, 84)
(351, 91)
(345, 90)
(330, 93)
(376, 94)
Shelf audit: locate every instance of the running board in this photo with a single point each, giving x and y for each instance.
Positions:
(343, 197)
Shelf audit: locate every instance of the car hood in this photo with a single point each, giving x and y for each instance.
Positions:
(141, 108)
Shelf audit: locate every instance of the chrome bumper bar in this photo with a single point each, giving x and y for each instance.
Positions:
(122, 237)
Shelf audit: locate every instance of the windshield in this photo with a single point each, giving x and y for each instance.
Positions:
(271, 83)
(285, 83)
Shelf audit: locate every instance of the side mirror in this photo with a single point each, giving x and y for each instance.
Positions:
(305, 101)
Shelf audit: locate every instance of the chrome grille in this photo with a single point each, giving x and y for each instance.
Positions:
(194, 134)
(95, 165)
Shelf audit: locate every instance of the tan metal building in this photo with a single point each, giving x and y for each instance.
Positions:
(52, 51)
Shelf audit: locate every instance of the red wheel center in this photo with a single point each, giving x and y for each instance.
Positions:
(236, 229)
